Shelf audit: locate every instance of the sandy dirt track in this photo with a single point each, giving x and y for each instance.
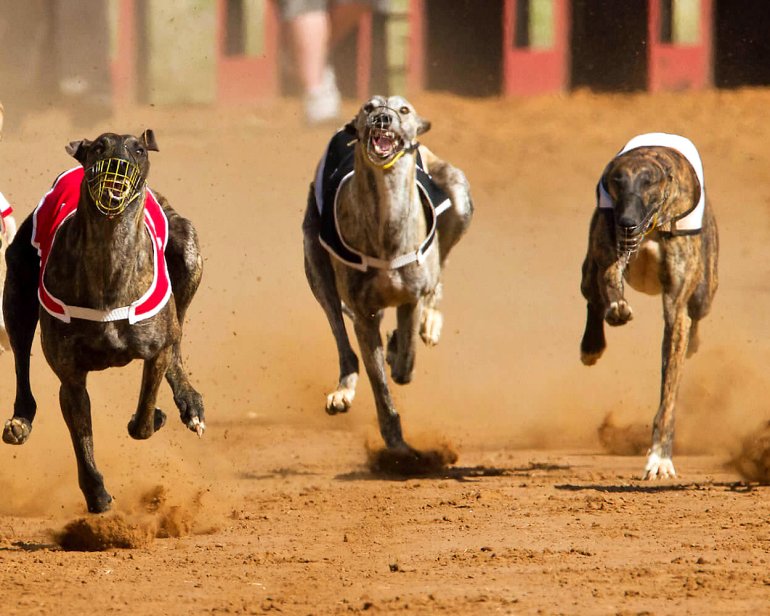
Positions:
(275, 508)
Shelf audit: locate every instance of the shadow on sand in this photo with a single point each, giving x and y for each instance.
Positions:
(457, 473)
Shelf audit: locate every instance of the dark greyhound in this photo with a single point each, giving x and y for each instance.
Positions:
(92, 255)
(654, 227)
(377, 231)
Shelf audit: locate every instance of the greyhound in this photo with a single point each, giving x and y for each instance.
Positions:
(377, 232)
(654, 227)
(113, 268)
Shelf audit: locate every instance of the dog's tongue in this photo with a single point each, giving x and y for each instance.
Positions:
(383, 143)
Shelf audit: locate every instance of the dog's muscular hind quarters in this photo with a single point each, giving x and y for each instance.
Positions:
(654, 227)
(109, 269)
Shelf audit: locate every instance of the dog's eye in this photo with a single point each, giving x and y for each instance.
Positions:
(369, 107)
(404, 110)
(140, 150)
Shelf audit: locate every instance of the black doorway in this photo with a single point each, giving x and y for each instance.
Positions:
(609, 45)
(464, 46)
(742, 43)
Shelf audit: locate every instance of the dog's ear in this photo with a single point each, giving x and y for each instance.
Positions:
(78, 149)
(423, 125)
(148, 138)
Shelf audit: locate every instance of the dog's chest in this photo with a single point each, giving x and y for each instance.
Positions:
(378, 289)
(97, 346)
(643, 270)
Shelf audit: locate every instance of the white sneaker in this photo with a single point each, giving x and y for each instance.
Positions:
(322, 104)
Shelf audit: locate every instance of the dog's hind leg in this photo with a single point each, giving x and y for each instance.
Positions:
(185, 267)
(700, 303)
(370, 342)
(21, 313)
(148, 419)
(76, 409)
(320, 277)
(401, 346)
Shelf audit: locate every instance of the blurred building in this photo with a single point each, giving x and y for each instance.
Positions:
(229, 51)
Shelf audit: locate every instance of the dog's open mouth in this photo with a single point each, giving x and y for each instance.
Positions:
(113, 184)
(117, 190)
(382, 145)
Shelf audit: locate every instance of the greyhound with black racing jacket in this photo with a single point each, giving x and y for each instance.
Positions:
(377, 231)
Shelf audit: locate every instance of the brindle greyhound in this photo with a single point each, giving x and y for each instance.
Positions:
(655, 228)
(103, 256)
(386, 254)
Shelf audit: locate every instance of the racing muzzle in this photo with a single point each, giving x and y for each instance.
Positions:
(114, 183)
(384, 146)
(628, 239)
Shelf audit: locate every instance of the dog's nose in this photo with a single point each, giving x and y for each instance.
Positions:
(628, 222)
(382, 120)
(629, 211)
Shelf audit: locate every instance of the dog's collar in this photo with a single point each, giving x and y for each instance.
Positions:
(405, 150)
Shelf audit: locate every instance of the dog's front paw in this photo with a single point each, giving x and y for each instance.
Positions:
(190, 405)
(141, 431)
(619, 313)
(340, 400)
(430, 328)
(401, 366)
(402, 375)
(659, 467)
(98, 501)
(16, 431)
(590, 358)
(391, 347)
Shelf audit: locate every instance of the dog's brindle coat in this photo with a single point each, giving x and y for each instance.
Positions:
(102, 262)
(380, 214)
(651, 183)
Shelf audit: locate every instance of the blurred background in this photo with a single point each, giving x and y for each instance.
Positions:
(120, 52)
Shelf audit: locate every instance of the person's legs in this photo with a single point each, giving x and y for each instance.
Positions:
(344, 18)
(310, 40)
(315, 27)
(309, 30)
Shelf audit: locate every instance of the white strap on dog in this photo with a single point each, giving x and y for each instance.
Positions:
(101, 316)
(417, 256)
